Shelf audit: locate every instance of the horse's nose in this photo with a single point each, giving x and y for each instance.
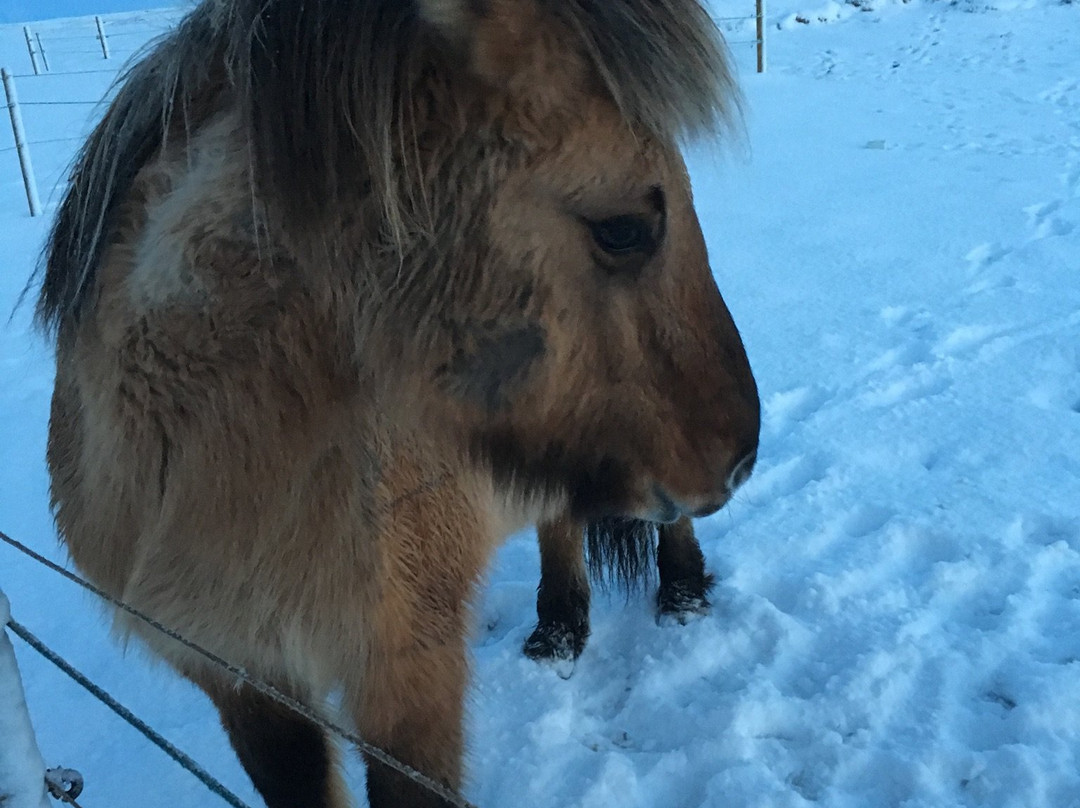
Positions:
(740, 472)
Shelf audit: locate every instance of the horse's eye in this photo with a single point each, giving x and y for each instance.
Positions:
(623, 235)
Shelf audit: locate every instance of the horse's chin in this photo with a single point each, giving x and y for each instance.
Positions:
(666, 509)
(652, 503)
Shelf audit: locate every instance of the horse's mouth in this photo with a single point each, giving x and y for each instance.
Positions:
(664, 508)
(667, 510)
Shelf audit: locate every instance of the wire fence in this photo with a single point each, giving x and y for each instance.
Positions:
(60, 51)
(758, 20)
(97, 692)
(46, 45)
(370, 750)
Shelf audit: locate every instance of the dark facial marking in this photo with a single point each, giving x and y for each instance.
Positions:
(489, 360)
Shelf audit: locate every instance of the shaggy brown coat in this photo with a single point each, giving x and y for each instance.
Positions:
(346, 290)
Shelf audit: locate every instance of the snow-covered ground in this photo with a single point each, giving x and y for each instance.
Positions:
(897, 620)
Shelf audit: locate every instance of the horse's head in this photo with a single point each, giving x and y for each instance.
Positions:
(594, 359)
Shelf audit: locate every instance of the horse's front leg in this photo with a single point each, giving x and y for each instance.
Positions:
(408, 696)
(290, 760)
(412, 708)
(684, 583)
(562, 599)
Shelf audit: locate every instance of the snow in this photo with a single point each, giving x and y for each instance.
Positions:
(897, 619)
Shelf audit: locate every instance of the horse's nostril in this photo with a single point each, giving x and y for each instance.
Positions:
(741, 472)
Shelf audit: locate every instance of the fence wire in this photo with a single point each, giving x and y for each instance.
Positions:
(262, 687)
(97, 692)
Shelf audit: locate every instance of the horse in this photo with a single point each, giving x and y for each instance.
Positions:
(343, 292)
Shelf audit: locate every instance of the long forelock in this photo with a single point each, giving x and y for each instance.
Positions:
(663, 62)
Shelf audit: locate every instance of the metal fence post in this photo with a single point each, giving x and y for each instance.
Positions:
(20, 143)
(41, 52)
(101, 37)
(23, 769)
(760, 36)
(30, 47)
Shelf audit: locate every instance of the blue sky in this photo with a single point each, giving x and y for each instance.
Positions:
(26, 10)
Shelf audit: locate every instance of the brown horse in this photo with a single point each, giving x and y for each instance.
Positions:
(619, 550)
(344, 291)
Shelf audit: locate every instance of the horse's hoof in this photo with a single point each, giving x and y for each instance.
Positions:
(679, 604)
(557, 645)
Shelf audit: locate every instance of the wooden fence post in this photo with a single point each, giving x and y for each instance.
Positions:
(101, 37)
(21, 145)
(22, 770)
(30, 47)
(760, 36)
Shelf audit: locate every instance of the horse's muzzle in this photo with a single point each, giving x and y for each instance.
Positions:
(667, 510)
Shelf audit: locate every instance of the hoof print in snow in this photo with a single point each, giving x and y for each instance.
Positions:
(1000, 698)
